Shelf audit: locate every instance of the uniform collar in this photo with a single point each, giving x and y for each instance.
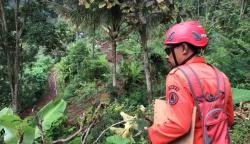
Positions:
(196, 59)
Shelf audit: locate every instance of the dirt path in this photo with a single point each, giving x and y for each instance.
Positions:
(73, 110)
(45, 99)
(51, 90)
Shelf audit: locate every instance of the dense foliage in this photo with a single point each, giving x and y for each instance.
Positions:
(60, 37)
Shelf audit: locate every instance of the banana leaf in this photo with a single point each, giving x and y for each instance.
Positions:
(49, 114)
(15, 128)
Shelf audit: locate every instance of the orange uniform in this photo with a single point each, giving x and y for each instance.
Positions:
(181, 102)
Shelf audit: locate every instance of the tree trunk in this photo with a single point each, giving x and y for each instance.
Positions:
(143, 35)
(93, 43)
(13, 53)
(243, 4)
(4, 26)
(16, 68)
(7, 50)
(198, 8)
(114, 63)
(206, 10)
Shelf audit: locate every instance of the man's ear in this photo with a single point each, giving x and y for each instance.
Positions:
(185, 49)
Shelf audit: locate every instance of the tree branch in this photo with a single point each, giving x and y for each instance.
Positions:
(69, 137)
(4, 25)
(124, 35)
(25, 16)
(86, 134)
(40, 127)
(109, 128)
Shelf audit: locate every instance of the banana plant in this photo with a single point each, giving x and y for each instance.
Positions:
(17, 130)
(49, 114)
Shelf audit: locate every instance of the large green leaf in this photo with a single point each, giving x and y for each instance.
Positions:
(240, 95)
(49, 114)
(14, 126)
(116, 139)
(29, 133)
(6, 111)
(9, 123)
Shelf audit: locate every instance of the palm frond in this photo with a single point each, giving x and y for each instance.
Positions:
(78, 15)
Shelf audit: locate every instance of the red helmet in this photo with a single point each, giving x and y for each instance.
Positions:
(190, 32)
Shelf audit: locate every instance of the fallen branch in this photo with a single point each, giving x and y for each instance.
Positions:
(90, 126)
(69, 137)
(109, 128)
(72, 135)
(86, 134)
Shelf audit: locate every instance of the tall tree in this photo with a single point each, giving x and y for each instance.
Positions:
(4, 46)
(80, 15)
(11, 44)
(243, 4)
(16, 68)
(112, 21)
(144, 15)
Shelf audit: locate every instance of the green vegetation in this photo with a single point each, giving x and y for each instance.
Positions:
(240, 95)
(17, 130)
(100, 99)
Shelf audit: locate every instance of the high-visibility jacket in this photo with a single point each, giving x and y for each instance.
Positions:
(181, 103)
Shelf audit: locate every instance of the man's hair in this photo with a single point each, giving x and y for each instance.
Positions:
(195, 49)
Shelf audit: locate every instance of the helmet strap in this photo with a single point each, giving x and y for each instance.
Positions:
(175, 60)
(192, 55)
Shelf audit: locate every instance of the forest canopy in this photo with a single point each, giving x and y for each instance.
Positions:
(87, 71)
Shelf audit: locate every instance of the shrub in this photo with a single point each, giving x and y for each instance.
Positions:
(34, 80)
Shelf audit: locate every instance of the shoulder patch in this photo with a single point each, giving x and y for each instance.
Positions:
(173, 98)
(173, 87)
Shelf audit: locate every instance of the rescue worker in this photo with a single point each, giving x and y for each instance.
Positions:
(193, 82)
